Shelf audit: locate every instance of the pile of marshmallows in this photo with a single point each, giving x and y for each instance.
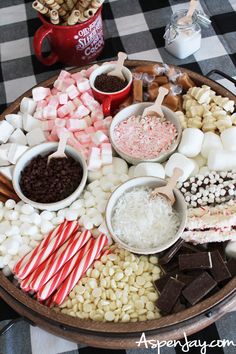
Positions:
(70, 106)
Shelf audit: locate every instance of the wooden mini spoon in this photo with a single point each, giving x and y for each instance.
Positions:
(188, 18)
(119, 66)
(167, 191)
(60, 153)
(156, 107)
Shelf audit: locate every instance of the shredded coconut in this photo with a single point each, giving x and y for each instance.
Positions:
(144, 222)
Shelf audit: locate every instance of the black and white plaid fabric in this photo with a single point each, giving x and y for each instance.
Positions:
(136, 27)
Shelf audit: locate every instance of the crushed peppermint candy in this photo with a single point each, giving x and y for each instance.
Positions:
(144, 222)
(146, 137)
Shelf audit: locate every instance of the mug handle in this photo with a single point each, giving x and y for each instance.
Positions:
(106, 106)
(39, 37)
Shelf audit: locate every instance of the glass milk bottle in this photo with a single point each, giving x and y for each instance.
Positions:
(182, 40)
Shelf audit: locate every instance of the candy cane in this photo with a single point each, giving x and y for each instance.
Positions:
(45, 252)
(47, 289)
(72, 247)
(28, 257)
(79, 270)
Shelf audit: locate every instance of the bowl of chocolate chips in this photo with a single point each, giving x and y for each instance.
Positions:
(49, 184)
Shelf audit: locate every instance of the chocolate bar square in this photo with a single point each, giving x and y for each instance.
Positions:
(219, 269)
(169, 295)
(166, 258)
(200, 260)
(231, 264)
(199, 288)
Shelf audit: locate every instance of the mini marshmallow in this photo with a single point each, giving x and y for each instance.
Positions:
(27, 209)
(6, 129)
(30, 123)
(228, 138)
(99, 138)
(81, 112)
(93, 175)
(90, 130)
(18, 137)
(46, 227)
(15, 151)
(7, 171)
(47, 125)
(76, 124)
(64, 75)
(191, 142)
(49, 112)
(53, 101)
(83, 85)
(28, 105)
(82, 137)
(221, 160)
(10, 204)
(35, 137)
(47, 215)
(97, 115)
(63, 98)
(39, 93)
(149, 169)
(15, 120)
(120, 166)
(210, 141)
(72, 214)
(106, 153)
(72, 91)
(94, 161)
(98, 124)
(230, 249)
(63, 111)
(182, 162)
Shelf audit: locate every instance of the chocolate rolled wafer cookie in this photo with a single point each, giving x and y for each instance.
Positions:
(210, 189)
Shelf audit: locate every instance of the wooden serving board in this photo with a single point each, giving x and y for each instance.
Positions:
(121, 335)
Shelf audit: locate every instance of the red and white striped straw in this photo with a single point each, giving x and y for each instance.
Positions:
(79, 270)
(73, 245)
(47, 289)
(45, 252)
(28, 257)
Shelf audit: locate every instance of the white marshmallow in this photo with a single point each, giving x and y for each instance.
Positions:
(107, 169)
(7, 171)
(230, 249)
(182, 162)
(131, 171)
(27, 209)
(119, 166)
(47, 215)
(28, 105)
(30, 123)
(77, 204)
(228, 138)
(101, 206)
(149, 169)
(221, 160)
(200, 160)
(93, 185)
(72, 214)
(15, 151)
(18, 137)
(210, 141)
(35, 137)
(93, 175)
(15, 120)
(4, 150)
(6, 129)
(191, 142)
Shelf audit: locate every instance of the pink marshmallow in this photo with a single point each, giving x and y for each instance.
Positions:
(81, 112)
(88, 120)
(41, 104)
(77, 76)
(77, 102)
(39, 114)
(63, 111)
(53, 101)
(47, 125)
(63, 98)
(97, 115)
(107, 121)
(94, 160)
(39, 93)
(72, 91)
(99, 138)
(76, 124)
(83, 85)
(98, 124)
(49, 112)
(52, 138)
(54, 91)
(86, 98)
(64, 75)
(90, 130)
(60, 122)
(82, 137)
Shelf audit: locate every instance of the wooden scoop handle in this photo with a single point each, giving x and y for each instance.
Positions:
(177, 172)
(62, 143)
(120, 62)
(162, 92)
(192, 8)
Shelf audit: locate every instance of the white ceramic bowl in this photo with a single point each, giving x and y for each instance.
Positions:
(137, 109)
(43, 149)
(152, 182)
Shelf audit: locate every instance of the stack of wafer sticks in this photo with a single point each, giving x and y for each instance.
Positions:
(7, 190)
(67, 12)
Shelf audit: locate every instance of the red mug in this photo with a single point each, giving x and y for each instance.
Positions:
(110, 100)
(72, 45)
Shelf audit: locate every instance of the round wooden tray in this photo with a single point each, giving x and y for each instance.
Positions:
(121, 335)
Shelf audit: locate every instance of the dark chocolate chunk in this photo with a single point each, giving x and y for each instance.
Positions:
(199, 288)
(219, 269)
(231, 264)
(169, 295)
(178, 307)
(220, 246)
(185, 278)
(171, 266)
(161, 282)
(166, 258)
(200, 260)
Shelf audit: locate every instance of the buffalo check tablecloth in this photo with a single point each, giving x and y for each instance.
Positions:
(136, 27)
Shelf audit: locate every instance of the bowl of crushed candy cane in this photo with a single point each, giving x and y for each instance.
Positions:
(141, 223)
